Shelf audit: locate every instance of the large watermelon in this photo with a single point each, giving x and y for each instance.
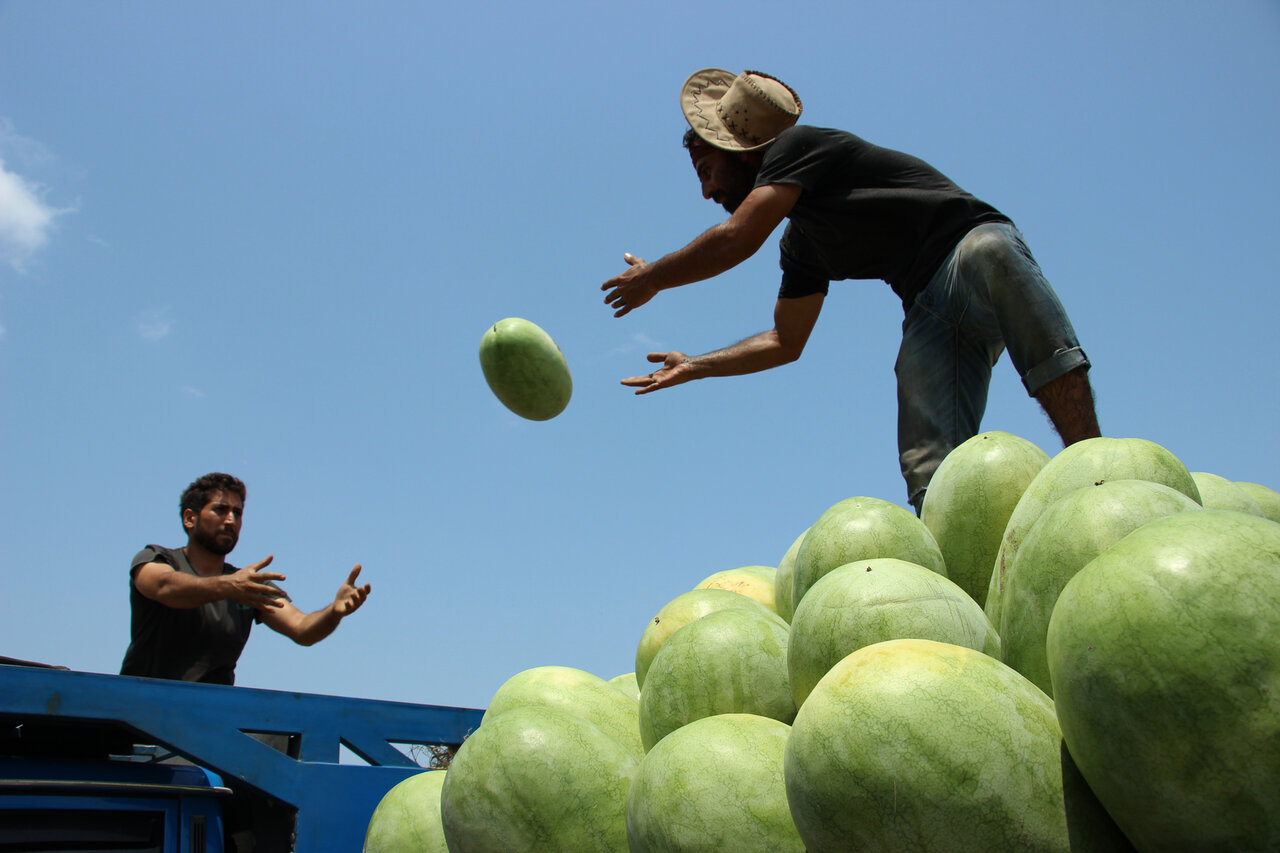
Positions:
(1268, 498)
(711, 786)
(537, 779)
(1165, 657)
(1217, 492)
(680, 611)
(727, 662)
(920, 745)
(870, 601)
(1084, 463)
(752, 581)
(576, 692)
(407, 818)
(630, 687)
(970, 499)
(783, 592)
(862, 528)
(1070, 533)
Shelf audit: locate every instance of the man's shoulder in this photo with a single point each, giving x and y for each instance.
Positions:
(156, 554)
(806, 146)
(172, 557)
(814, 135)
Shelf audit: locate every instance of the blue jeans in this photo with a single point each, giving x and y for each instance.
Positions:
(988, 295)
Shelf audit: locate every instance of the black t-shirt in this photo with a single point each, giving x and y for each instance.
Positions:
(865, 212)
(184, 644)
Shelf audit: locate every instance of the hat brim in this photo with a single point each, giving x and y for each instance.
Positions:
(698, 98)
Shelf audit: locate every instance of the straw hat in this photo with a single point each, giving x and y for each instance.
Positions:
(741, 113)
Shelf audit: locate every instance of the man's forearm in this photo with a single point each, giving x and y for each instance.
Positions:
(182, 591)
(793, 320)
(316, 626)
(752, 355)
(718, 249)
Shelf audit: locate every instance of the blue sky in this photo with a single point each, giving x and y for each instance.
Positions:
(267, 239)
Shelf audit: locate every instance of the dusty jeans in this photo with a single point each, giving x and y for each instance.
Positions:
(987, 296)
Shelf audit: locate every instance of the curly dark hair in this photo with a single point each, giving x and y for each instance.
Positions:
(693, 140)
(197, 495)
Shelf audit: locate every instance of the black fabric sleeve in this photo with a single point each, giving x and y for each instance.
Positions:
(798, 277)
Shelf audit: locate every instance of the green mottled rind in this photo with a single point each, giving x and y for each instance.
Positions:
(537, 779)
(1165, 658)
(576, 692)
(1217, 492)
(1069, 533)
(870, 601)
(1082, 464)
(783, 592)
(919, 745)
(728, 662)
(714, 785)
(680, 611)
(862, 529)
(970, 499)
(752, 581)
(1268, 498)
(629, 686)
(525, 369)
(407, 819)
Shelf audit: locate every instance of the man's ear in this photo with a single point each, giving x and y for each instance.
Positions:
(189, 519)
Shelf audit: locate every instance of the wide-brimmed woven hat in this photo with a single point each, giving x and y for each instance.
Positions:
(739, 112)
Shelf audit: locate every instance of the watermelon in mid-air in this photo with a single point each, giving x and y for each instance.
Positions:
(525, 369)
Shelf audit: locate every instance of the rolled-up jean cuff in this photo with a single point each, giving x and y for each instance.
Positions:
(1060, 363)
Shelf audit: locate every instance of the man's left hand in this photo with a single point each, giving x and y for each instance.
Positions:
(625, 291)
(675, 370)
(350, 596)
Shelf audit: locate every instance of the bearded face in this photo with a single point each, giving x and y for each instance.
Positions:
(216, 528)
(726, 178)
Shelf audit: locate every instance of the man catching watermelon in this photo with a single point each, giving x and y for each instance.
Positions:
(968, 283)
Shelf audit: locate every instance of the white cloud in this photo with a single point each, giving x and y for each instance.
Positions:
(26, 151)
(638, 341)
(155, 324)
(26, 219)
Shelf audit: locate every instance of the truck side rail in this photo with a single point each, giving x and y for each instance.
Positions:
(211, 726)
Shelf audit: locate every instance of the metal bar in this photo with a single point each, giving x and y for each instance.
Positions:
(207, 724)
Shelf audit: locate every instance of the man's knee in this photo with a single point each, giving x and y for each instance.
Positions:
(989, 252)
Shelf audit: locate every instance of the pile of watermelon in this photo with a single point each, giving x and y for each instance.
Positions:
(1071, 653)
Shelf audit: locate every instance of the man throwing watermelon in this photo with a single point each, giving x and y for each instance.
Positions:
(968, 283)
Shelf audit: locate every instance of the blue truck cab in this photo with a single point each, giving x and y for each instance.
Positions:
(74, 804)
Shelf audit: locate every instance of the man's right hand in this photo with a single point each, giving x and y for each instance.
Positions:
(248, 586)
(625, 292)
(163, 583)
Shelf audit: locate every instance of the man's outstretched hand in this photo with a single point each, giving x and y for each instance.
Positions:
(675, 370)
(350, 596)
(249, 586)
(624, 292)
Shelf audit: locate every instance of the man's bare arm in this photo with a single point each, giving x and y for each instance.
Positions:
(716, 250)
(248, 586)
(309, 628)
(793, 320)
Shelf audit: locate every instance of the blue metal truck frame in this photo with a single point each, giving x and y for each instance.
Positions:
(213, 727)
